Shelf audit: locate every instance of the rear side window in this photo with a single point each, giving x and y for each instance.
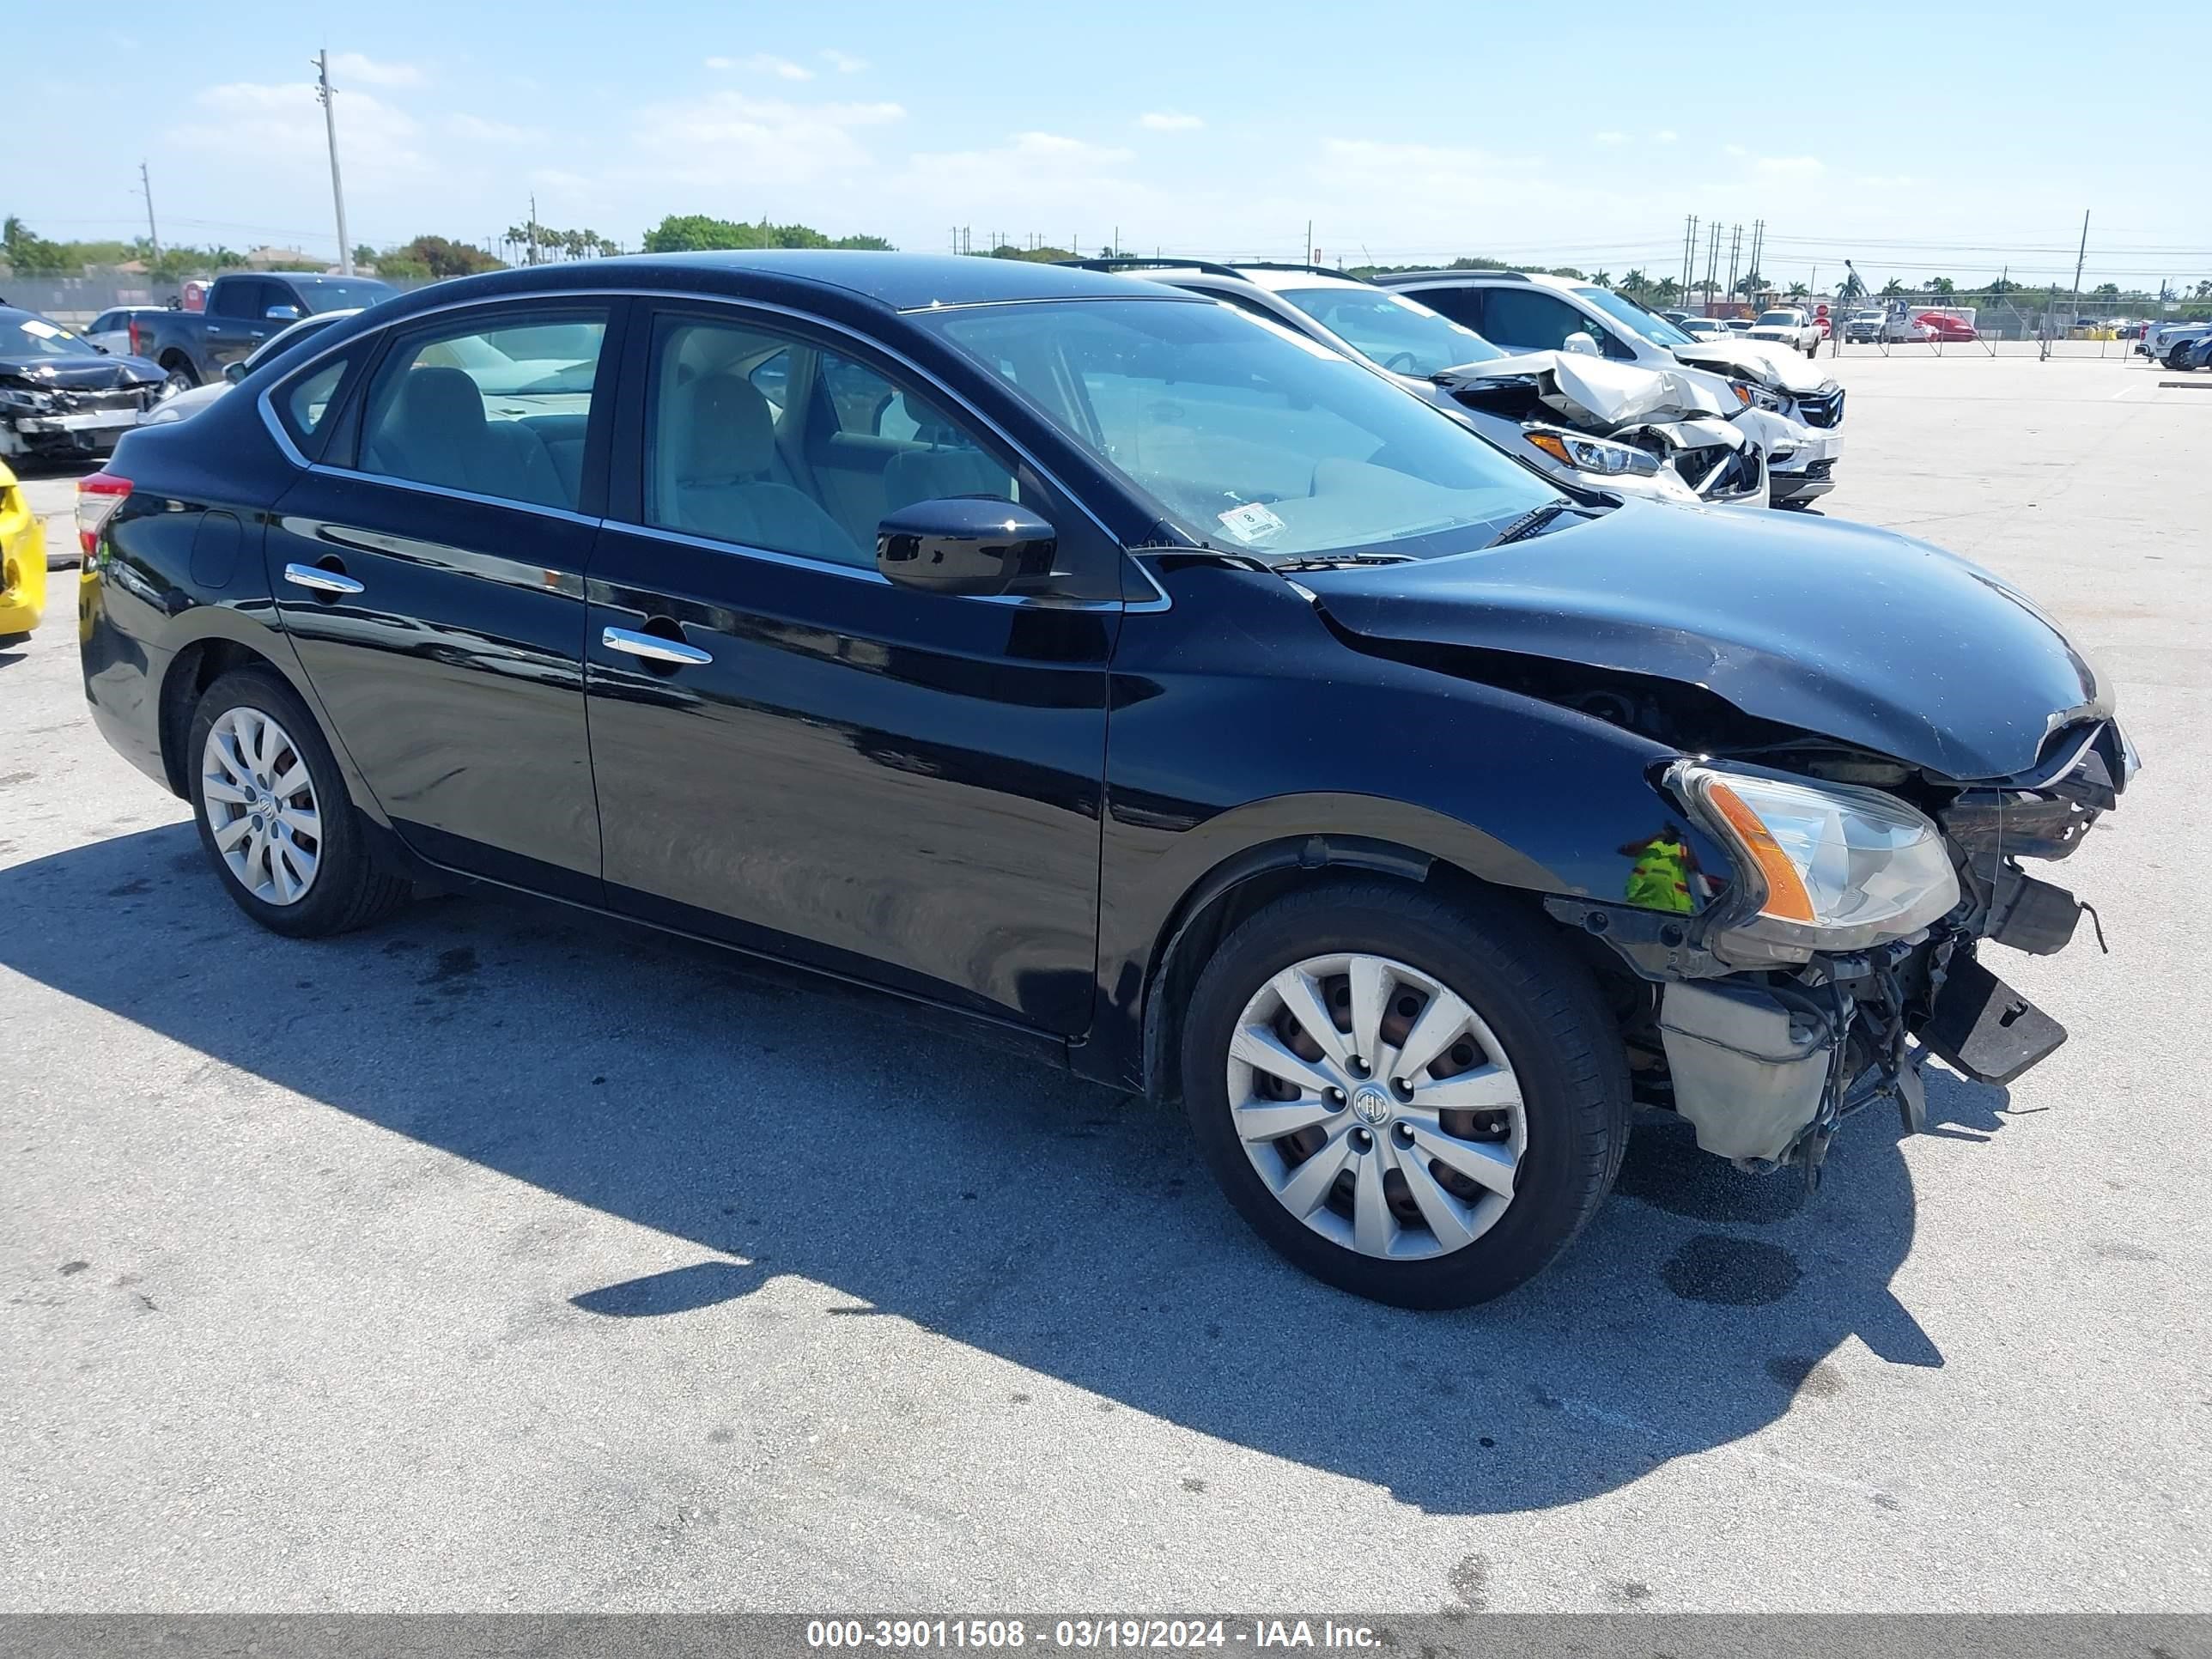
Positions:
(1462, 305)
(497, 408)
(303, 404)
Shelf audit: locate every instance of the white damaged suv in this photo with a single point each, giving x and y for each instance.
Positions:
(1527, 312)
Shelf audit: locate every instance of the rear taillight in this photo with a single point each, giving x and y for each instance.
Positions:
(98, 495)
(134, 336)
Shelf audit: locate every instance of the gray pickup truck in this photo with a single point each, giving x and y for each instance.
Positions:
(242, 310)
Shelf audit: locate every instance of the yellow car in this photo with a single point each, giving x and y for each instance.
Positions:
(22, 559)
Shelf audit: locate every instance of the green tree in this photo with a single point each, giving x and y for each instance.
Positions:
(1799, 291)
(2107, 291)
(1942, 285)
(440, 257)
(30, 254)
(1603, 279)
(1666, 291)
(1893, 288)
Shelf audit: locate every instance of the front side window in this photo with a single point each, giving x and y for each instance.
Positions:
(495, 409)
(1404, 338)
(1245, 434)
(1646, 325)
(1533, 320)
(765, 441)
(238, 296)
(344, 293)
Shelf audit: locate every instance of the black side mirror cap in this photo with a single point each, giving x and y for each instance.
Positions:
(977, 546)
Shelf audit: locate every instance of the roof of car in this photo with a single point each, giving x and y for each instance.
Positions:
(904, 282)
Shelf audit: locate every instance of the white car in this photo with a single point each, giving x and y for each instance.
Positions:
(1527, 312)
(1705, 328)
(1583, 422)
(111, 330)
(1787, 326)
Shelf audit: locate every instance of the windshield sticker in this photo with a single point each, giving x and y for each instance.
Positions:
(38, 329)
(1251, 524)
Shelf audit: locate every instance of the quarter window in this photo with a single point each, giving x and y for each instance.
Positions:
(495, 410)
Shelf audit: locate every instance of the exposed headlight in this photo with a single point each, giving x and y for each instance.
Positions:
(39, 403)
(1598, 455)
(1836, 867)
(1754, 396)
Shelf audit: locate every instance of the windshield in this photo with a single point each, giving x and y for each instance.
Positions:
(1245, 435)
(1403, 336)
(1630, 315)
(347, 294)
(1777, 319)
(25, 336)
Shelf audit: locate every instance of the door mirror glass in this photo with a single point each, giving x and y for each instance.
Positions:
(235, 372)
(973, 546)
(1580, 341)
(282, 313)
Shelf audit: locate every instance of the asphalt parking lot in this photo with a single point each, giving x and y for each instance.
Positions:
(499, 1259)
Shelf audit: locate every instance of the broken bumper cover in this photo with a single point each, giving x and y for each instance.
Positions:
(1763, 1062)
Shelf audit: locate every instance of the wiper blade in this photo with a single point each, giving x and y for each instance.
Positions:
(1339, 561)
(1530, 523)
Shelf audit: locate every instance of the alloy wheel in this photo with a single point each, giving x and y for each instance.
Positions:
(260, 804)
(1377, 1106)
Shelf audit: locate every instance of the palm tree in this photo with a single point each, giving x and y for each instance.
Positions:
(1799, 291)
(1667, 291)
(1603, 279)
(1892, 288)
(1941, 285)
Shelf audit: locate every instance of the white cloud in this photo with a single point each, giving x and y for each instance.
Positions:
(1608, 137)
(763, 63)
(1789, 167)
(731, 139)
(476, 129)
(1733, 149)
(279, 129)
(352, 66)
(843, 62)
(1167, 121)
(1665, 136)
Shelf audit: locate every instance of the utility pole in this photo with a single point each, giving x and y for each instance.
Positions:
(1713, 262)
(1689, 252)
(1308, 241)
(1735, 251)
(533, 227)
(1758, 239)
(331, 129)
(146, 189)
(2080, 260)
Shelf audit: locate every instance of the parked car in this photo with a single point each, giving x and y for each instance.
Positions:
(2191, 354)
(1531, 313)
(183, 405)
(1736, 324)
(61, 397)
(2163, 341)
(111, 330)
(23, 561)
(1862, 328)
(1942, 325)
(1789, 326)
(1064, 654)
(1704, 328)
(243, 309)
(1583, 423)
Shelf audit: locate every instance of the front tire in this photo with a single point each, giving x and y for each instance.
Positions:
(1417, 1101)
(274, 814)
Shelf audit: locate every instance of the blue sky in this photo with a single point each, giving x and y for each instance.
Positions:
(1406, 130)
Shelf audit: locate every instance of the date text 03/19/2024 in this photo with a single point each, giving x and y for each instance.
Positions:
(1080, 1635)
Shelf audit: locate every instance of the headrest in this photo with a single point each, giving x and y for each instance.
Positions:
(733, 433)
(440, 406)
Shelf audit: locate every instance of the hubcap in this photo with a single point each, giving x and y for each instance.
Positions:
(1377, 1105)
(260, 804)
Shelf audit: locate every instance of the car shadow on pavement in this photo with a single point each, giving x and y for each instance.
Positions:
(999, 1202)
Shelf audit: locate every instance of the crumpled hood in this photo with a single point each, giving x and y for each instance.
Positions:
(1842, 630)
(81, 373)
(1769, 365)
(1603, 394)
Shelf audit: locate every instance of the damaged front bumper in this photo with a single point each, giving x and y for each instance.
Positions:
(1764, 1061)
(63, 423)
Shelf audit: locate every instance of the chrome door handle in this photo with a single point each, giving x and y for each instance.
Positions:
(318, 579)
(652, 647)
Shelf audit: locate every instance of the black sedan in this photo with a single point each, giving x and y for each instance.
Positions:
(61, 397)
(1128, 677)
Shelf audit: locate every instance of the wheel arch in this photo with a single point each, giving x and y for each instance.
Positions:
(1246, 881)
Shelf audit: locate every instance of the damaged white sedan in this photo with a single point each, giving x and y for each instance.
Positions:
(1674, 435)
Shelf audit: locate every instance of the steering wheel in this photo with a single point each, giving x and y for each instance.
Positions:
(1399, 363)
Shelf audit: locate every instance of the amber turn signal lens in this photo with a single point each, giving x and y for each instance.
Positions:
(1786, 897)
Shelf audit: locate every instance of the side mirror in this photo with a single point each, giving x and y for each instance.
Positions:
(975, 545)
(1582, 342)
(235, 372)
(282, 313)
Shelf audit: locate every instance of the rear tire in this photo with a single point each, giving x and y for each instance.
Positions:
(181, 375)
(1538, 1032)
(274, 816)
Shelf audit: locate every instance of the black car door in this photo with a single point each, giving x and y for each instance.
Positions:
(236, 321)
(430, 572)
(794, 754)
